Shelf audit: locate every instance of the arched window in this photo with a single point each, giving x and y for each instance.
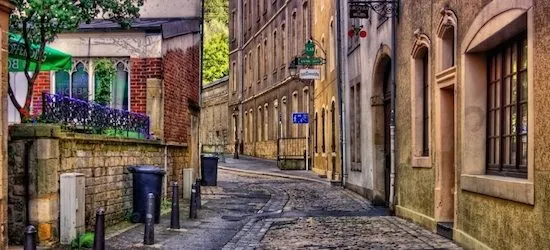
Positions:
(294, 110)
(283, 118)
(119, 91)
(275, 124)
(316, 122)
(332, 46)
(62, 86)
(260, 124)
(420, 98)
(275, 54)
(80, 80)
(446, 35)
(333, 126)
(266, 122)
(323, 141)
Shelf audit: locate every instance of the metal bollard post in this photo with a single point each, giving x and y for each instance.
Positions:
(149, 236)
(30, 236)
(99, 234)
(193, 201)
(198, 184)
(175, 214)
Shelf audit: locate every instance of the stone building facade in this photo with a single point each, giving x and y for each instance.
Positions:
(365, 94)
(471, 118)
(5, 9)
(214, 116)
(326, 114)
(264, 37)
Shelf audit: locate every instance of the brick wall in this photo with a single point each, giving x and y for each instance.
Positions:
(102, 160)
(181, 83)
(142, 69)
(42, 84)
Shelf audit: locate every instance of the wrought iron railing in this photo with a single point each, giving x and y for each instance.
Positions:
(88, 117)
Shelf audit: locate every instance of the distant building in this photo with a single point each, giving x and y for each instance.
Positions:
(214, 131)
(264, 37)
(326, 114)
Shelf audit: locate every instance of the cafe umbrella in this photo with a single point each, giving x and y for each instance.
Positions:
(53, 59)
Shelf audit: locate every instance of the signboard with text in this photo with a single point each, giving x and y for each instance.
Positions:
(310, 74)
(358, 10)
(300, 118)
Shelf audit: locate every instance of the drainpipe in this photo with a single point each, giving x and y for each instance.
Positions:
(199, 147)
(165, 170)
(339, 83)
(27, 159)
(393, 109)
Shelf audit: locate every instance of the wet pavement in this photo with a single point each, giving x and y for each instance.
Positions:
(250, 211)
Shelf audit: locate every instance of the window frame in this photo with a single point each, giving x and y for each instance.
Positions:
(500, 168)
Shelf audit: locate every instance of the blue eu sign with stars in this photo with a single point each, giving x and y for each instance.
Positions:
(300, 118)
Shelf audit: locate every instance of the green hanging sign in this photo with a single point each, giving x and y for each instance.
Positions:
(310, 48)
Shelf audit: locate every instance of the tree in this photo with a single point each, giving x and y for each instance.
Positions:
(216, 62)
(40, 21)
(216, 40)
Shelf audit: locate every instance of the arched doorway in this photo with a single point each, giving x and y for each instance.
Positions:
(381, 103)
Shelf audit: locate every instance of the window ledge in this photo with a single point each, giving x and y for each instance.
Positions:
(421, 162)
(514, 189)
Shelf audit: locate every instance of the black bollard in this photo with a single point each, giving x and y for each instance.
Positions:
(198, 201)
(30, 236)
(149, 236)
(99, 234)
(193, 201)
(175, 215)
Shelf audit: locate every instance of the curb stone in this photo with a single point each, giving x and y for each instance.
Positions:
(273, 174)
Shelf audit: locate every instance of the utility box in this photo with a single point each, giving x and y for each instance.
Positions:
(187, 182)
(72, 206)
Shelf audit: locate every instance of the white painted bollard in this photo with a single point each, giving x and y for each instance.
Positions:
(72, 206)
(187, 182)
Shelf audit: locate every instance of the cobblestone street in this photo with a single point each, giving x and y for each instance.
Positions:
(251, 211)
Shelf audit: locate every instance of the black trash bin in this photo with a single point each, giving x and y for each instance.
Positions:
(209, 170)
(145, 180)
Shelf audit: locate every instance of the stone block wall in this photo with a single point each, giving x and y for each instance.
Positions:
(102, 160)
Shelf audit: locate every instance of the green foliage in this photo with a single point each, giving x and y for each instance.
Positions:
(105, 75)
(216, 40)
(216, 10)
(216, 62)
(40, 21)
(85, 240)
(165, 204)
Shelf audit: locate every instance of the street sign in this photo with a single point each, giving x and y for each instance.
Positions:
(310, 48)
(310, 61)
(310, 74)
(358, 10)
(300, 118)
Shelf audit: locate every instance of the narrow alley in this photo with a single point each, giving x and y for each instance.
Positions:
(270, 209)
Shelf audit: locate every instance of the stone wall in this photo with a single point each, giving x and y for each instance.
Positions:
(102, 160)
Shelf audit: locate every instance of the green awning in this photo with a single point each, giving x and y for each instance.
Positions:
(53, 59)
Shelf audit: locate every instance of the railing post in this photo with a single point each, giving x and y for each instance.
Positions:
(192, 201)
(149, 235)
(198, 200)
(175, 215)
(30, 236)
(99, 234)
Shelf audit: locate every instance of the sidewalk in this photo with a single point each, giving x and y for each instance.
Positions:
(247, 164)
